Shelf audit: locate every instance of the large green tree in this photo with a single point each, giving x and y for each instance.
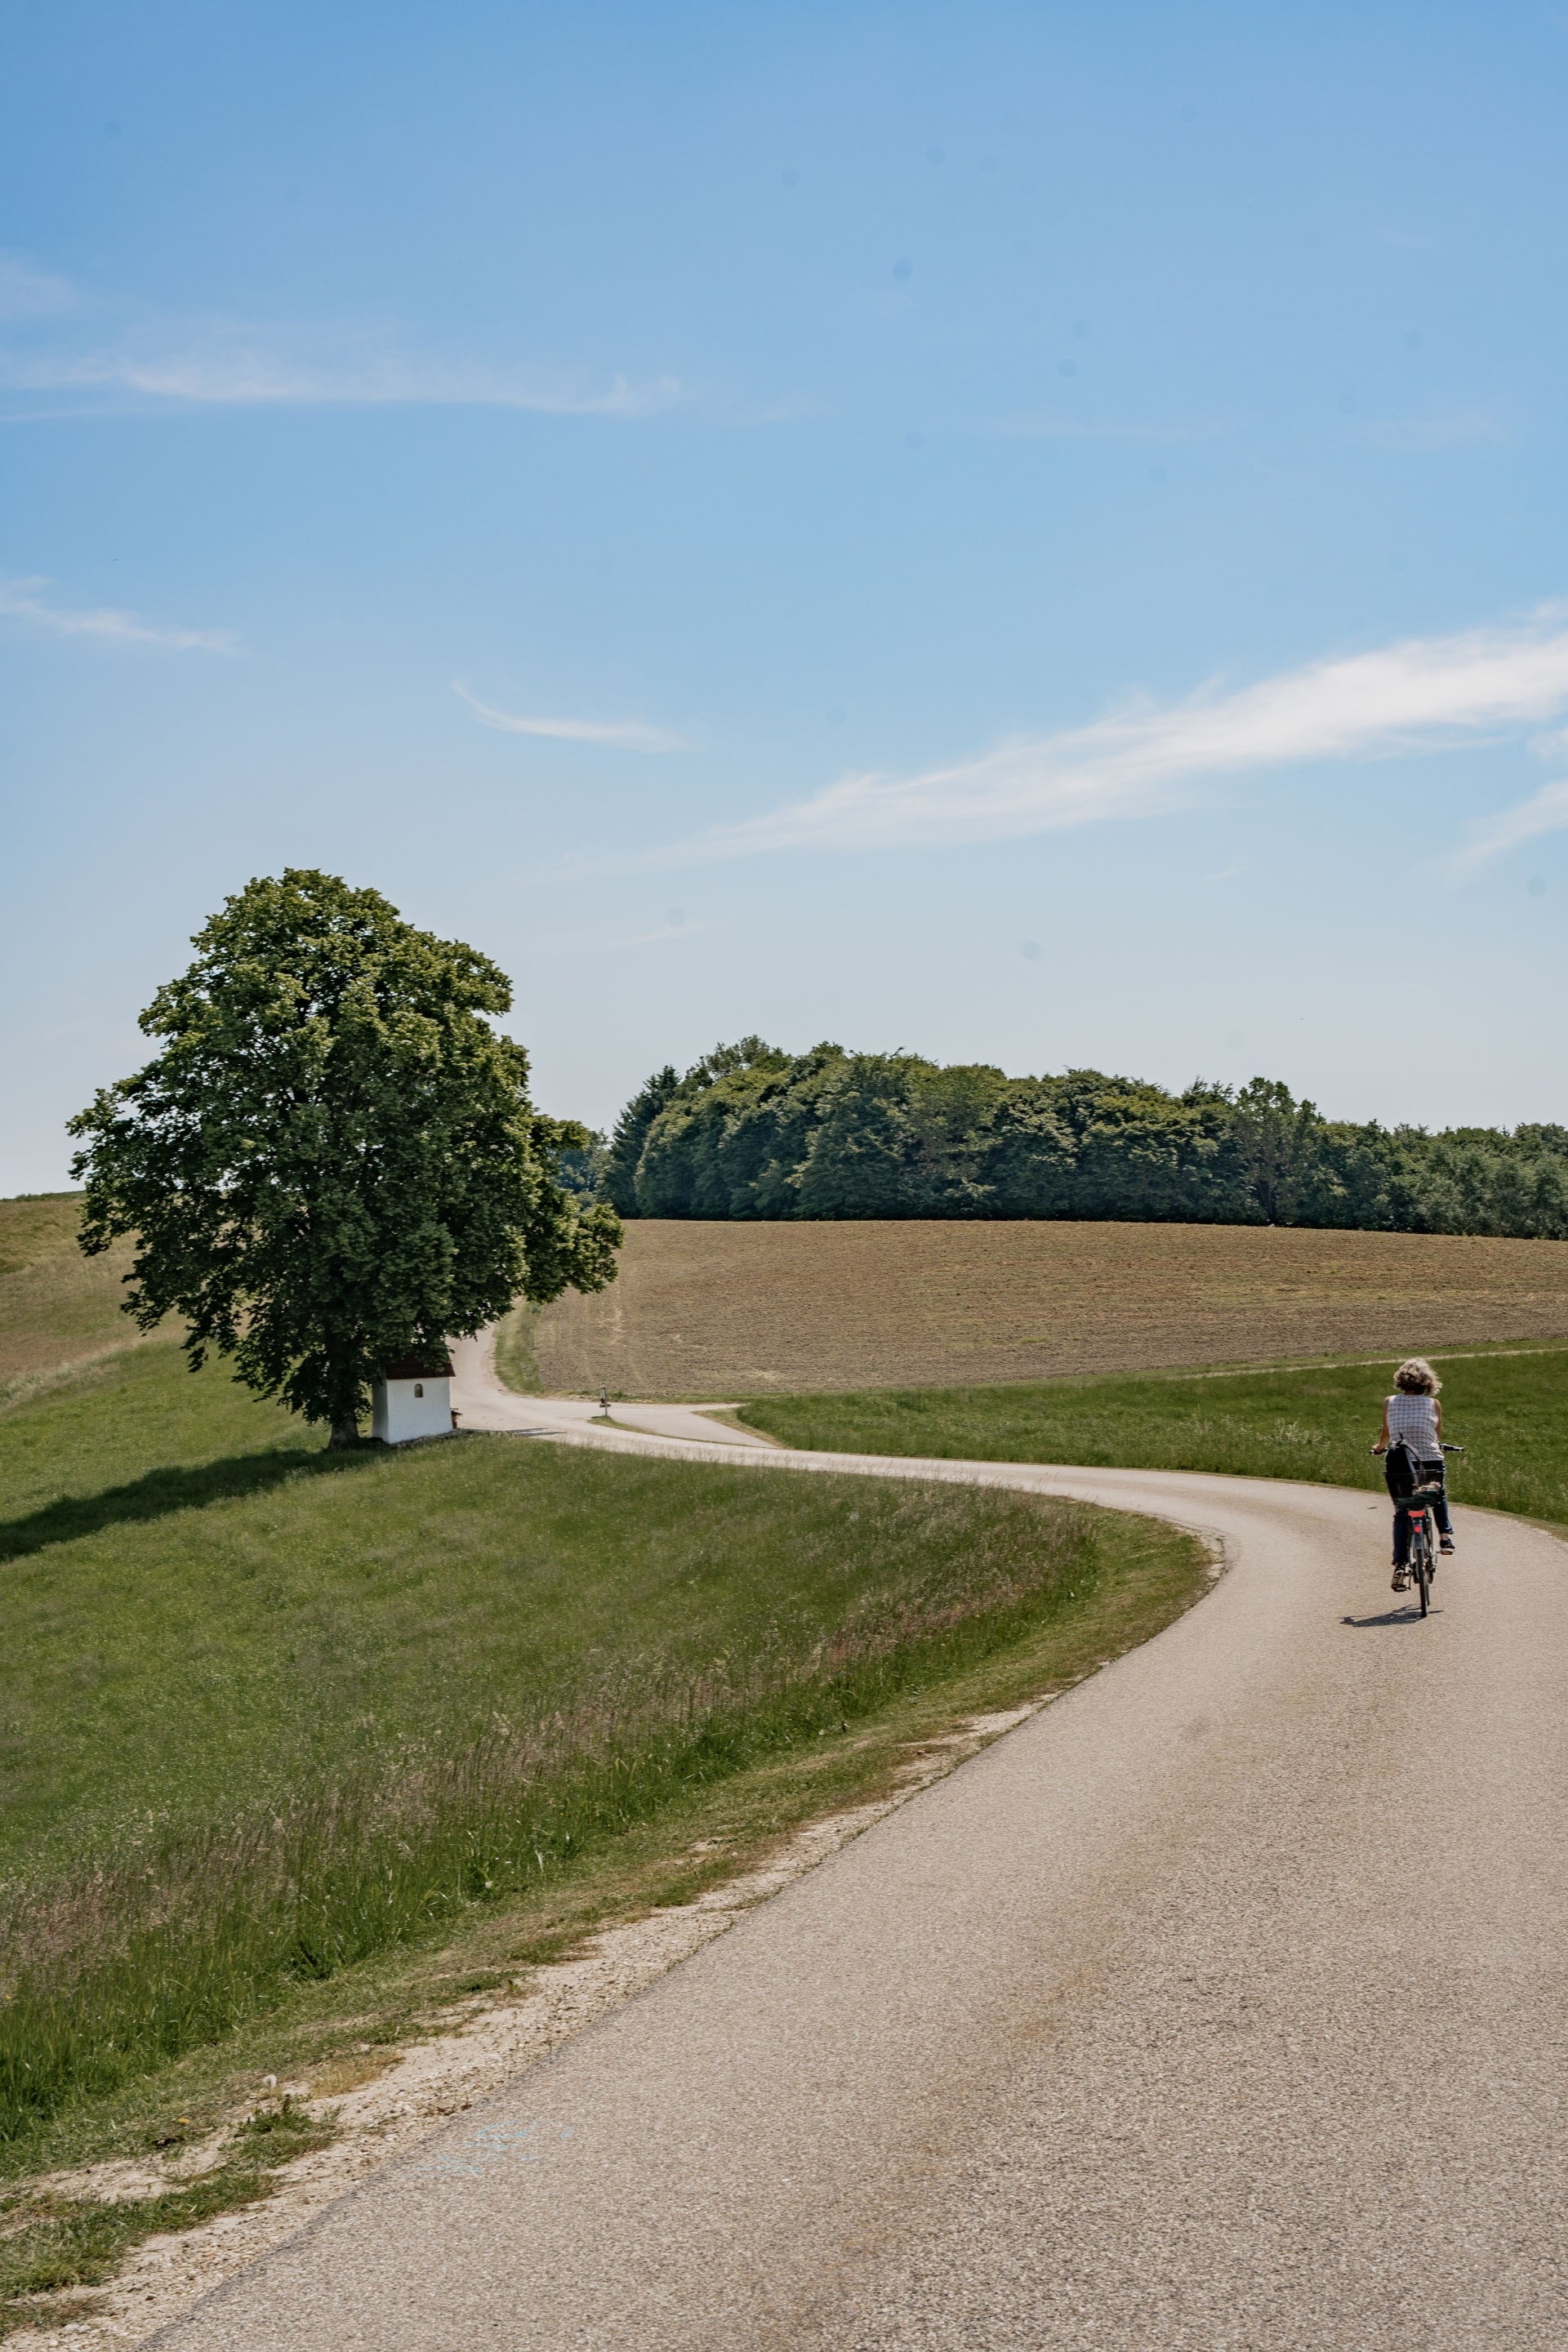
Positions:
(332, 1161)
(625, 1147)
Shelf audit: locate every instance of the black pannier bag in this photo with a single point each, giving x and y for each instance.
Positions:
(1401, 1471)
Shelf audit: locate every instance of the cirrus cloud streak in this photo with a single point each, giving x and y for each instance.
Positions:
(232, 371)
(64, 339)
(614, 734)
(1420, 695)
(20, 602)
(1545, 811)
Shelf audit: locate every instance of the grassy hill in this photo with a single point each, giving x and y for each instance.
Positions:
(267, 1707)
(56, 1306)
(730, 1310)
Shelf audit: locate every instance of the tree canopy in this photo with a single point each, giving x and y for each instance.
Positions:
(334, 1161)
(752, 1132)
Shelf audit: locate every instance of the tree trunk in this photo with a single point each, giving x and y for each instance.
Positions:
(343, 1391)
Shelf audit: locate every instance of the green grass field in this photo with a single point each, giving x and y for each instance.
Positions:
(234, 1632)
(1507, 1408)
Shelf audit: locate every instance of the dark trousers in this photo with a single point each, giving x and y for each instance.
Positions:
(1431, 1475)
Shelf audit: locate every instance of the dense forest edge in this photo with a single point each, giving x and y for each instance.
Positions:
(750, 1131)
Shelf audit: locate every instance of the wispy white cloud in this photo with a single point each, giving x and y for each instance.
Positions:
(81, 348)
(615, 734)
(1544, 812)
(19, 601)
(1148, 759)
(239, 368)
(661, 936)
(665, 932)
(29, 293)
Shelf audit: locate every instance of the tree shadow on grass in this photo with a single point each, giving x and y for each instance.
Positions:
(162, 1492)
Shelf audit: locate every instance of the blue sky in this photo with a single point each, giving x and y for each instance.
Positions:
(1033, 534)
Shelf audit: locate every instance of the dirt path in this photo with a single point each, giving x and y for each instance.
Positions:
(483, 1403)
(1219, 2005)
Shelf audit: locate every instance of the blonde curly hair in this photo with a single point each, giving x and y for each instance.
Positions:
(1416, 1378)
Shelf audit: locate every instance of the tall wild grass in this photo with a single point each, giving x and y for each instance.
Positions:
(111, 1969)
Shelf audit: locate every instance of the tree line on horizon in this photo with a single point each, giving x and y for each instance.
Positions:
(750, 1131)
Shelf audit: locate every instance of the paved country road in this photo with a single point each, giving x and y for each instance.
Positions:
(1221, 2005)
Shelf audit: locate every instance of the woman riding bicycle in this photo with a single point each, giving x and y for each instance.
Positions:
(1412, 1417)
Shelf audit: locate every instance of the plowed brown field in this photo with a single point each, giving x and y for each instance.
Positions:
(735, 1310)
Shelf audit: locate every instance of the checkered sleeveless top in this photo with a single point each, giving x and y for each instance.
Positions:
(1414, 1419)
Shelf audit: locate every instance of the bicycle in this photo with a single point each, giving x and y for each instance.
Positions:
(1417, 1509)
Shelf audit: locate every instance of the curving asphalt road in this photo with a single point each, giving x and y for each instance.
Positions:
(1221, 2005)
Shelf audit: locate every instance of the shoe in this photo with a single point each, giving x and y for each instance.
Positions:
(1445, 1543)
(1401, 1581)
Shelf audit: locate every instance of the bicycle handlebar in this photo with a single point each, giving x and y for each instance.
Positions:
(1383, 1449)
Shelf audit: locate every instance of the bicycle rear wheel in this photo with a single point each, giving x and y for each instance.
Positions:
(1421, 1549)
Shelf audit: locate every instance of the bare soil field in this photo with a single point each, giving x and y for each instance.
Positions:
(730, 1311)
